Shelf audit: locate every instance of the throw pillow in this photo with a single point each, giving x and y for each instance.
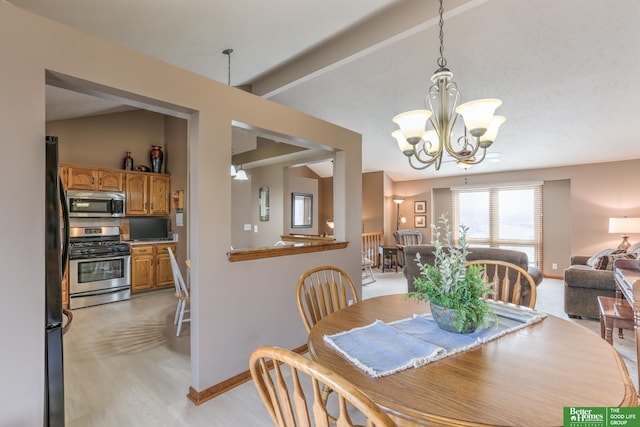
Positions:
(606, 262)
(634, 249)
(593, 261)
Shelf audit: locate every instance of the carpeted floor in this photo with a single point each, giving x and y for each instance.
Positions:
(550, 299)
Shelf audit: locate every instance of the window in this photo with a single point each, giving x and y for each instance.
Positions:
(507, 217)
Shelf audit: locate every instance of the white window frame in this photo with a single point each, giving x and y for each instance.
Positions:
(494, 239)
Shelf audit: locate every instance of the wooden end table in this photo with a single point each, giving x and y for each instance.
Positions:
(392, 252)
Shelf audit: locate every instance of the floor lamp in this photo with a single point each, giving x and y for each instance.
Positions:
(398, 200)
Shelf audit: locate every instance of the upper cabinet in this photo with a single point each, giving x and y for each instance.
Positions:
(83, 178)
(147, 194)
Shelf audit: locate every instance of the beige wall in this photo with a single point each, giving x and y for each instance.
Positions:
(373, 202)
(103, 140)
(578, 200)
(232, 303)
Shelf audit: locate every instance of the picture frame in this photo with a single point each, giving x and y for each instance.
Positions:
(263, 203)
(420, 207)
(420, 221)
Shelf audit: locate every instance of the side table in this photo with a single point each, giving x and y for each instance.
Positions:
(392, 252)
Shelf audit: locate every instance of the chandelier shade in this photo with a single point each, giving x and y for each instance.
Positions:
(487, 139)
(478, 114)
(478, 128)
(412, 124)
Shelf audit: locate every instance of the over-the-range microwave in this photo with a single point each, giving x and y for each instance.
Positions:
(87, 204)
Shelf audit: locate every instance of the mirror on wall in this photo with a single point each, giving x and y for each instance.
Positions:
(263, 203)
(301, 210)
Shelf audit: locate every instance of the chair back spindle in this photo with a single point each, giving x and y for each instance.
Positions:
(293, 396)
(322, 291)
(507, 281)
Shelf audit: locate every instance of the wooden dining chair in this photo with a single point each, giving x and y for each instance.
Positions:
(321, 291)
(508, 281)
(291, 401)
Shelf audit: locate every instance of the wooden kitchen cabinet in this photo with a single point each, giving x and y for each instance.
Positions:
(151, 266)
(148, 194)
(83, 178)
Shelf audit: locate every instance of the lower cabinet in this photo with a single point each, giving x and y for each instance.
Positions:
(151, 266)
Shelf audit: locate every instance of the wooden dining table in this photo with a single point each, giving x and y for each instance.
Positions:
(524, 378)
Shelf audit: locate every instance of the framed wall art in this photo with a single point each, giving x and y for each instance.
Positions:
(420, 221)
(263, 203)
(420, 207)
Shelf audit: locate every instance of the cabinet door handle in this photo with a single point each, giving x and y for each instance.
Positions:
(100, 182)
(151, 205)
(93, 180)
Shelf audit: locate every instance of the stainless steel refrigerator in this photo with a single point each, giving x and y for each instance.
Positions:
(56, 254)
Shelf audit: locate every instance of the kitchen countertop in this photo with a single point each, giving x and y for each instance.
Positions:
(148, 242)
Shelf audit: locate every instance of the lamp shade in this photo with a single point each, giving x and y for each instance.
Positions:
(624, 225)
(412, 124)
(232, 171)
(397, 199)
(403, 144)
(478, 114)
(241, 175)
(492, 131)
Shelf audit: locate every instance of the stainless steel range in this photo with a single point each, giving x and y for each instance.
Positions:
(99, 264)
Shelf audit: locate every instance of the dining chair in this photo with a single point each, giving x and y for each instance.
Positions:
(282, 379)
(367, 270)
(182, 294)
(507, 280)
(321, 291)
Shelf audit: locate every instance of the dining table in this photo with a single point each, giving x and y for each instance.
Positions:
(522, 378)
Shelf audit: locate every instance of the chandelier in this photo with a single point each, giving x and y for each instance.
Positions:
(425, 147)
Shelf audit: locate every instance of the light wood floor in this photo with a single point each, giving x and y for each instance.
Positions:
(125, 367)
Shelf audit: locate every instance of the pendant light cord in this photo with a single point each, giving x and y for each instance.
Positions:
(228, 52)
(442, 62)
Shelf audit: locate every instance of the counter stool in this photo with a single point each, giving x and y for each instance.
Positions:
(614, 313)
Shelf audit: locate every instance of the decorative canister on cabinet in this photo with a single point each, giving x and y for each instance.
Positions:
(128, 162)
(157, 156)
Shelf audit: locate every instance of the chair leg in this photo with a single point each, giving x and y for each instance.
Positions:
(175, 320)
(181, 317)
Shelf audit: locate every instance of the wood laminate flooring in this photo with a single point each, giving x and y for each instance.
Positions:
(124, 366)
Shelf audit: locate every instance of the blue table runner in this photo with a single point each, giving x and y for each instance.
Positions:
(382, 349)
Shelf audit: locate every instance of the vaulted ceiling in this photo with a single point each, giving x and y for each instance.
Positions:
(566, 71)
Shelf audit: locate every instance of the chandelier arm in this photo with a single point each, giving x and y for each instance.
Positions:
(425, 164)
(464, 154)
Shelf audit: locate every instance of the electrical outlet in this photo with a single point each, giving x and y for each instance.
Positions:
(554, 266)
(255, 228)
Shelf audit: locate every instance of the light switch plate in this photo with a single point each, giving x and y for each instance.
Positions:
(247, 227)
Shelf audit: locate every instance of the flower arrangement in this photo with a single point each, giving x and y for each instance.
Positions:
(450, 284)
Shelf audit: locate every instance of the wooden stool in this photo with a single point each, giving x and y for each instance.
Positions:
(614, 313)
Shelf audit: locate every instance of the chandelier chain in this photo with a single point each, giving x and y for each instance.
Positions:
(442, 62)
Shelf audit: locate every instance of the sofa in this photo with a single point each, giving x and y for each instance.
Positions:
(411, 269)
(588, 277)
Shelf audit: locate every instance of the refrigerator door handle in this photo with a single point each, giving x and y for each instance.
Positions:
(65, 218)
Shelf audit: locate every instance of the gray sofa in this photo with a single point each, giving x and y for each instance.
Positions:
(411, 269)
(582, 284)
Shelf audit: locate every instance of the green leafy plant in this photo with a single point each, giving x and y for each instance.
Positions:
(449, 283)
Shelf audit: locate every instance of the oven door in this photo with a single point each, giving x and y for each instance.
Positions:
(96, 274)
